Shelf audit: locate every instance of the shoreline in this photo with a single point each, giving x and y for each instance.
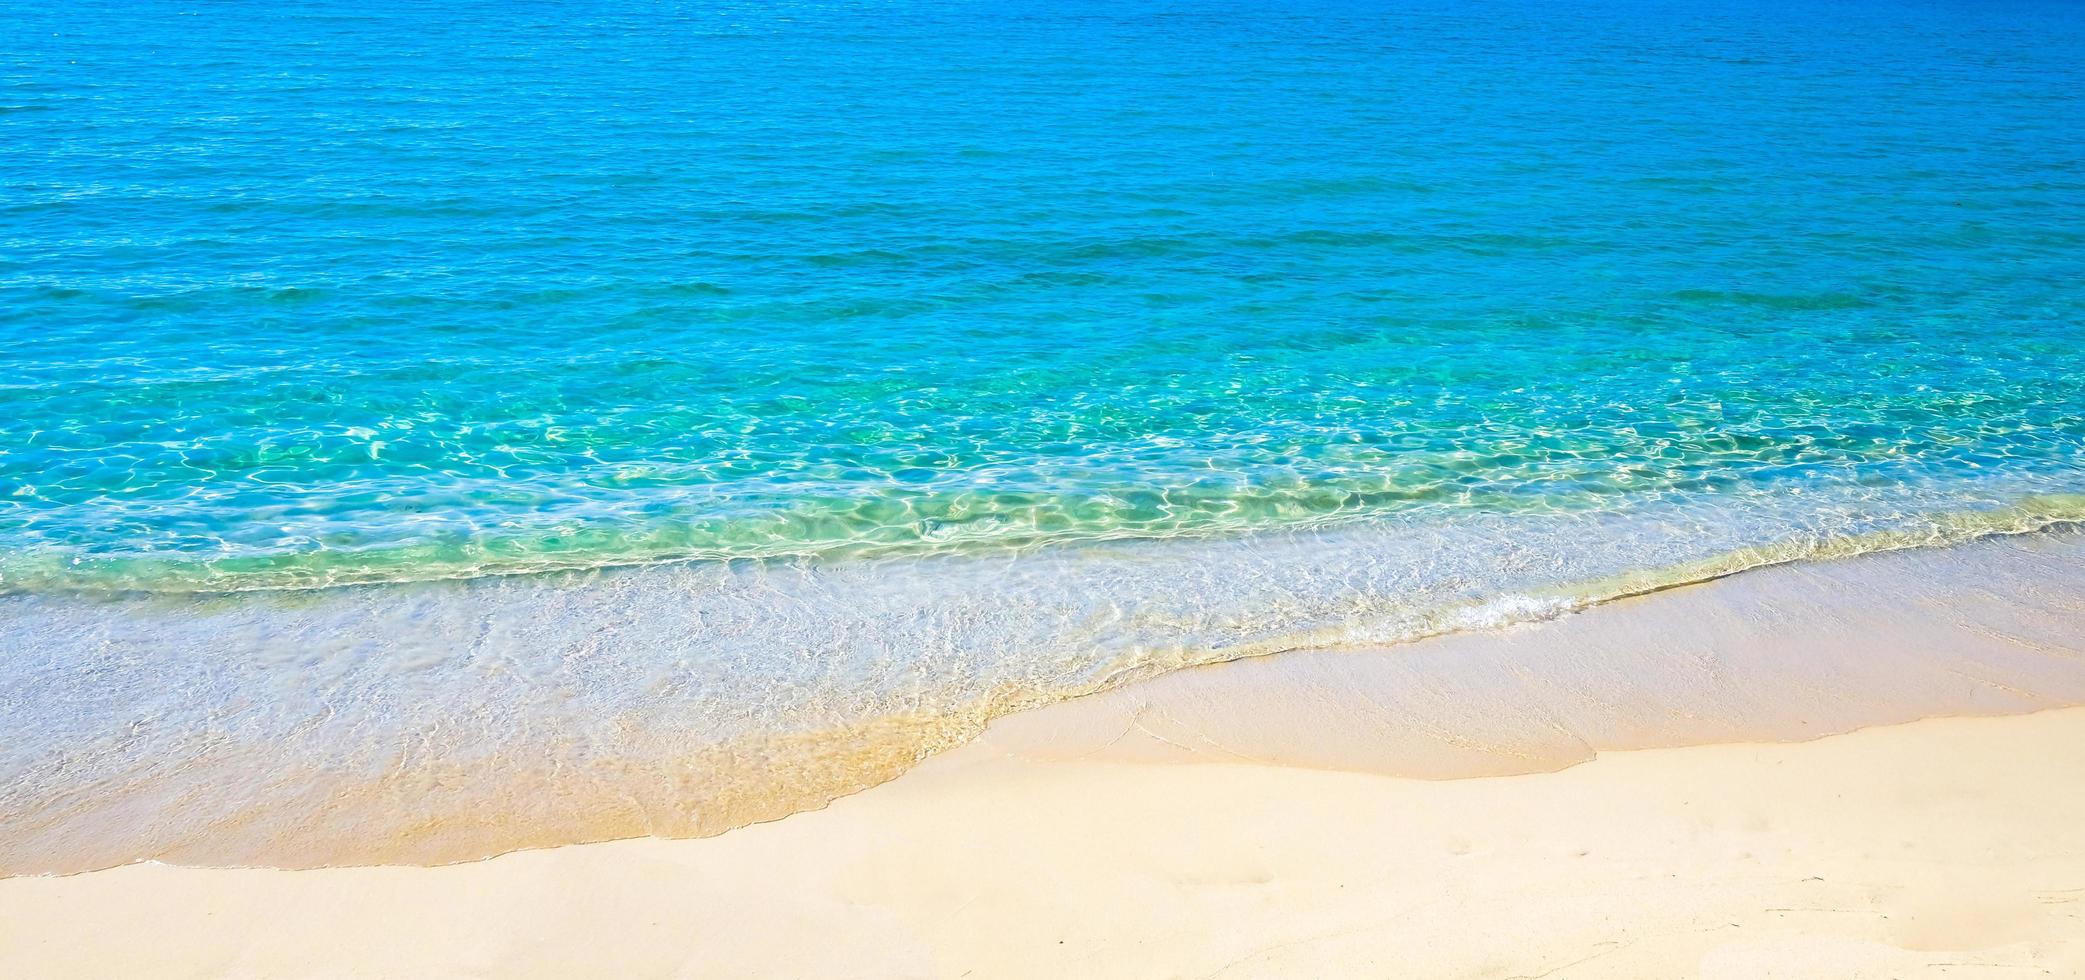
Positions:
(1781, 653)
(435, 726)
(1657, 785)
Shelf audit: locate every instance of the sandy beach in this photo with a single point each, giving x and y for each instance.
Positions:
(1506, 490)
(1269, 818)
(1947, 848)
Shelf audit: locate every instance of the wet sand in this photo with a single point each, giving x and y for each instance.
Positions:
(1647, 794)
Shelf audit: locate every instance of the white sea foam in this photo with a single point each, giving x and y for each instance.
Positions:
(450, 721)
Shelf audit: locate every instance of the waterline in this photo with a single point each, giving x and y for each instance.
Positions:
(442, 722)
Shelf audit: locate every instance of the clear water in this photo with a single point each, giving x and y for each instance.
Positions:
(939, 358)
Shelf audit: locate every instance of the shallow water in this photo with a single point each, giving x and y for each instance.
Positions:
(943, 358)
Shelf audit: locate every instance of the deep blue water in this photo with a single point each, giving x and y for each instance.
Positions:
(956, 355)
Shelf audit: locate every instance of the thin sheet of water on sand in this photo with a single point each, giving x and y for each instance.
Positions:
(1776, 654)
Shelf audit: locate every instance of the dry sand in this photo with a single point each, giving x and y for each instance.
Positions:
(1948, 848)
(1264, 819)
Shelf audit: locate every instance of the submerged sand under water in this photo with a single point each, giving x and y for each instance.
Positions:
(1777, 654)
(450, 724)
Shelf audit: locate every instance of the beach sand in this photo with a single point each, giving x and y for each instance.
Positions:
(1288, 816)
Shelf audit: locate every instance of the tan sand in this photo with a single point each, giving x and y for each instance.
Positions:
(1950, 848)
(1779, 654)
(1261, 819)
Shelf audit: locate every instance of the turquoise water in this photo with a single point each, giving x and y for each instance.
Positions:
(939, 358)
(384, 292)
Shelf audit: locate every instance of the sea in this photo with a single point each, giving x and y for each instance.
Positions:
(429, 429)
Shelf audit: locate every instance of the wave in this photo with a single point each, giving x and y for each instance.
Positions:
(914, 525)
(449, 721)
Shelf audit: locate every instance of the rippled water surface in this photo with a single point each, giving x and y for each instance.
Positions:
(953, 356)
